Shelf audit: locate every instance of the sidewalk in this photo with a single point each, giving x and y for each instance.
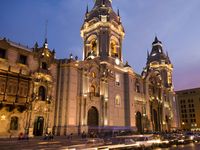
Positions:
(35, 143)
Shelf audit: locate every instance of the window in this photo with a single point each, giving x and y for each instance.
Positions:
(14, 123)
(117, 100)
(137, 87)
(113, 47)
(42, 93)
(117, 79)
(12, 87)
(2, 53)
(44, 66)
(23, 90)
(93, 75)
(22, 59)
(94, 45)
(2, 86)
(92, 90)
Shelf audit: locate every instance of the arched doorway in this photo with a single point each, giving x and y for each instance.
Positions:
(155, 119)
(93, 119)
(38, 126)
(139, 122)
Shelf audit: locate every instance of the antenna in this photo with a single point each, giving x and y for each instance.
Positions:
(46, 26)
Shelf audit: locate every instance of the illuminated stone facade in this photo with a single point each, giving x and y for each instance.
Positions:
(100, 93)
(28, 88)
(188, 105)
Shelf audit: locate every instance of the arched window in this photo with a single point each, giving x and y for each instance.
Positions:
(14, 123)
(93, 75)
(91, 49)
(42, 93)
(44, 66)
(92, 90)
(94, 45)
(137, 87)
(117, 100)
(113, 47)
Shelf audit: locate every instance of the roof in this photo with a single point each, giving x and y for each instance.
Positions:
(107, 3)
(188, 90)
(102, 8)
(17, 45)
(157, 53)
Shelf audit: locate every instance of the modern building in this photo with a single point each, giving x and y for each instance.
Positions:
(188, 103)
(39, 93)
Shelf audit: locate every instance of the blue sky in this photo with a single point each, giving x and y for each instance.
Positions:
(175, 22)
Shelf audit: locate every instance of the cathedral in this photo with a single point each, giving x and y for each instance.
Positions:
(101, 93)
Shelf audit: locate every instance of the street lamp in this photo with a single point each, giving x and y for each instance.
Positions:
(48, 100)
(29, 111)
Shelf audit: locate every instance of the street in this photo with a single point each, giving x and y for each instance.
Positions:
(63, 143)
(191, 146)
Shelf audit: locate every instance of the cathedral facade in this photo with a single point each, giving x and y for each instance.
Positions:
(101, 93)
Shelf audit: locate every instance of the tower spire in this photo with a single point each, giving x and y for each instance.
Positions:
(118, 13)
(45, 35)
(87, 9)
(147, 54)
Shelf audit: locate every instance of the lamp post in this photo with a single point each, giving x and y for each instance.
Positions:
(48, 102)
(29, 111)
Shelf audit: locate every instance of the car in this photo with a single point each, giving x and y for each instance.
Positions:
(141, 140)
(94, 141)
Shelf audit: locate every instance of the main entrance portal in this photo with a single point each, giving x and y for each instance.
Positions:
(139, 122)
(93, 119)
(38, 126)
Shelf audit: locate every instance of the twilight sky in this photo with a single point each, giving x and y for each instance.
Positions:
(175, 22)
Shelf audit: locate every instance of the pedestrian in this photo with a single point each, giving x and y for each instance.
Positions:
(20, 136)
(25, 137)
(50, 136)
(71, 136)
(83, 135)
(46, 136)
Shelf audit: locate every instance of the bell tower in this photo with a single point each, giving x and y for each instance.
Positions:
(159, 60)
(102, 32)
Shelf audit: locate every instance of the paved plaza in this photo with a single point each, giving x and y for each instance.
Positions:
(39, 143)
(62, 143)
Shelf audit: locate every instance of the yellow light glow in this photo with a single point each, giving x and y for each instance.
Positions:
(106, 122)
(3, 117)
